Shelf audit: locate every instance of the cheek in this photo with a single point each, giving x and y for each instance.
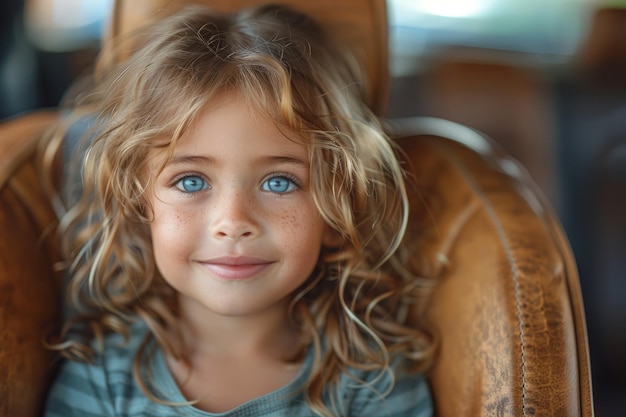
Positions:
(301, 236)
(172, 235)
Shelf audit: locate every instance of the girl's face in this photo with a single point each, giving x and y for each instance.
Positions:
(235, 228)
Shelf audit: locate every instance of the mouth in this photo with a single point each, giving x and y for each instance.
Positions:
(235, 268)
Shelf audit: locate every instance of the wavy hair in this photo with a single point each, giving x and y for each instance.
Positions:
(356, 309)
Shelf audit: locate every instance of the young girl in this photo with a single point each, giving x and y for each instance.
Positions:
(238, 247)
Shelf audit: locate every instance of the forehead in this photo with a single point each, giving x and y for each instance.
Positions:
(231, 123)
(232, 115)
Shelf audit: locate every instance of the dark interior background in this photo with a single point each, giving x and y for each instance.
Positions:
(544, 78)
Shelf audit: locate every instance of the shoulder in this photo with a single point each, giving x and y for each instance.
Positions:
(393, 392)
(102, 387)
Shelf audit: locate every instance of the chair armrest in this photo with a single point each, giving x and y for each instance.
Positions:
(29, 286)
(507, 306)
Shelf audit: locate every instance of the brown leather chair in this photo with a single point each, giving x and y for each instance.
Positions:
(507, 306)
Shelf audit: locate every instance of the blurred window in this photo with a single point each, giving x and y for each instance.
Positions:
(550, 29)
(66, 25)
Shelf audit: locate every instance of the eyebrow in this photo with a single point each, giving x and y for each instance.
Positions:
(285, 159)
(190, 159)
(209, 160)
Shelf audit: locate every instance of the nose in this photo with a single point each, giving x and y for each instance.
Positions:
(233, 216)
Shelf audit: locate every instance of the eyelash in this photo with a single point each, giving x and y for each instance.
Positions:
(180, 178)
(285, 175)
(293, 179)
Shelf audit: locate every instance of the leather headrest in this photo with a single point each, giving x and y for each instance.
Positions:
(358, 24)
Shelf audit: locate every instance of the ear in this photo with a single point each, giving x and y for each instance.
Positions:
(331, 238)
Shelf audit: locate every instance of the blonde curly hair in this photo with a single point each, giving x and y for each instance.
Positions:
(357, 310)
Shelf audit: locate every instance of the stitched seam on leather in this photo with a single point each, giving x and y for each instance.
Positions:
(466, 175)
(453, 234)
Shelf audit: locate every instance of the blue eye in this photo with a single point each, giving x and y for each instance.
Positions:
(279, 185)
(192, 184)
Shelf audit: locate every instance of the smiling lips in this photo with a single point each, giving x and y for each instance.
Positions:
(235, 267)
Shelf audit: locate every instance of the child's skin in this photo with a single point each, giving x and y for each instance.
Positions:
(235, 232)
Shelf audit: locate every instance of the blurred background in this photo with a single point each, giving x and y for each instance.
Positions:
(544, 78)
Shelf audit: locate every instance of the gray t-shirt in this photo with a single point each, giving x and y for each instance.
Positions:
(108, 388)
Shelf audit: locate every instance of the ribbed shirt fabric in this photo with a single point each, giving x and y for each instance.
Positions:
(108, 388)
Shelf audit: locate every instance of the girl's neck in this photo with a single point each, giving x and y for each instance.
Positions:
(230, 360)
(267, 334)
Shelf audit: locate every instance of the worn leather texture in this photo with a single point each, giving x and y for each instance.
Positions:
(29, 290)
(507, 303)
